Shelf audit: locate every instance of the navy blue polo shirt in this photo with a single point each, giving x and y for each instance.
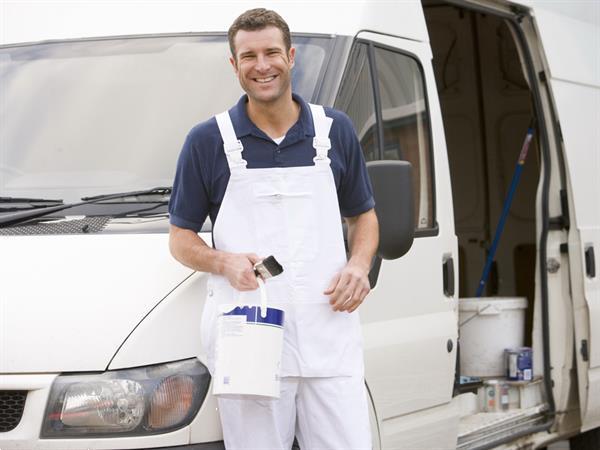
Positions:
(202, 172)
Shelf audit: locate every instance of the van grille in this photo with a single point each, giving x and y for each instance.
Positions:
(12, 404)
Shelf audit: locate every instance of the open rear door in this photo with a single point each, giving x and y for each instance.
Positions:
(570, 42)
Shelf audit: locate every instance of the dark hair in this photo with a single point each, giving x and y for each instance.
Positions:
(258, 19)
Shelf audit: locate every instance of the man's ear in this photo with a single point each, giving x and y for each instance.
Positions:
(292, 56)
(233, 63)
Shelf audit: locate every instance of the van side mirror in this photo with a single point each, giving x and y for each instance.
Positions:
(394, 205)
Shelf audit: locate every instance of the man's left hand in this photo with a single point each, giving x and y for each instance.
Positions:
(349, 287)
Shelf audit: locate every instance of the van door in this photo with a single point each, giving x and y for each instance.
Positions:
(409, 319)
(574, 79)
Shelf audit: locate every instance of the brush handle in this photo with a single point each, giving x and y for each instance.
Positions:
(505, 211)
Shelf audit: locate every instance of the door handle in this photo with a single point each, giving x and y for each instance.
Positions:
(590, 262)
(448, 274)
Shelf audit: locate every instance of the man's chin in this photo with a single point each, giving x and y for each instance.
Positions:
(265, 98)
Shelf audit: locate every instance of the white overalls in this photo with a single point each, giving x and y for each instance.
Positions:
(293, 214)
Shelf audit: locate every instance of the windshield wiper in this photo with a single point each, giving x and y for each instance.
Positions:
(25, 203)
(24, 216)
(157, 191)
(27, 200)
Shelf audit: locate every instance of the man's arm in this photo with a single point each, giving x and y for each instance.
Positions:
(190, 250)
(349, 288)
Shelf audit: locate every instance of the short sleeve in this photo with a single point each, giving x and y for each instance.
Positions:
(355, 193)
(189, 203)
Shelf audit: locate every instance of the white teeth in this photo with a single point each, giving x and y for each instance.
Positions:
(265, 80)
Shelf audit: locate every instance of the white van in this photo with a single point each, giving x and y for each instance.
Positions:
(100, 342)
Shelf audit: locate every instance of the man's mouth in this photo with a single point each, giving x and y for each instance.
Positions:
(265, 79)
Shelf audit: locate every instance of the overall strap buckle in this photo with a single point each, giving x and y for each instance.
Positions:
(322, 146)
(232, 146)
(321, 141)
(233, 151)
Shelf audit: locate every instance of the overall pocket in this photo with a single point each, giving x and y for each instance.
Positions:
(285, 224)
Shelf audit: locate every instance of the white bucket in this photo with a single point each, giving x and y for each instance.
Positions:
(488, 325)
(248, 351)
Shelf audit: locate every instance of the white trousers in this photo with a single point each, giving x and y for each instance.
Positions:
(324, 413)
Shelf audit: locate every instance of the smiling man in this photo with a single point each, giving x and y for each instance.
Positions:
(274, 174)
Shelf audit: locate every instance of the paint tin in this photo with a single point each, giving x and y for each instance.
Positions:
(248, 352)
(519, 363)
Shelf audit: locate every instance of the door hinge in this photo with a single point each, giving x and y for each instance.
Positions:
(542, 76)
(564, 207)
(556, 223)
(584, 350)
(519, 12)
(562, 222)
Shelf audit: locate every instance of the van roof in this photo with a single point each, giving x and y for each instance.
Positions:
(37, 21)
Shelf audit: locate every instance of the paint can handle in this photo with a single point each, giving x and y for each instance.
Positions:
(263, 297)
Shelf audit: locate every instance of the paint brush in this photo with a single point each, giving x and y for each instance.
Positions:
(268, 268)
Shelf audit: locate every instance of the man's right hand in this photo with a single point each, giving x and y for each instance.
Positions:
(238, 268)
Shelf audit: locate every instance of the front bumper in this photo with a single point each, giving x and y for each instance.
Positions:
(220, 445)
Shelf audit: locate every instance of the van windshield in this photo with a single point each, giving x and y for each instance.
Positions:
(83, 118)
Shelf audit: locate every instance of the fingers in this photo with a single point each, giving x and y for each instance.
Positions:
(239, 270)
(348, 289)
(354, 306)
(344, 292)
(253, 257)
(331, 288)
(247, 280)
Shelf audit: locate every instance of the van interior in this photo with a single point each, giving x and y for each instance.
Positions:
(487, 108)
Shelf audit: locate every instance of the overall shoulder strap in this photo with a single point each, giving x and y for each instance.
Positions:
(231, 144)
(321, 141)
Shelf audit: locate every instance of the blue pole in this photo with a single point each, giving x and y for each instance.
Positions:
(505, 210)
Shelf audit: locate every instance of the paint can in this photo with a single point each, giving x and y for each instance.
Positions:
(519, 363)
(488, 325)
(495, 396)
(248, 351)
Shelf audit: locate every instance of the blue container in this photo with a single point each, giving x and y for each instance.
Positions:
(519, 363)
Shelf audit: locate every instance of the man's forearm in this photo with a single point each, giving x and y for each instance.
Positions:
(363, 238)
(190, 250)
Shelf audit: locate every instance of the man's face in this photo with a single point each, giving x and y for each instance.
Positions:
(262, 64)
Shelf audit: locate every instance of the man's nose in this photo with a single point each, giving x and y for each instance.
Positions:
(262, 63)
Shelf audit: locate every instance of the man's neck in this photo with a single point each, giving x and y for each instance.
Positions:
(275, 119)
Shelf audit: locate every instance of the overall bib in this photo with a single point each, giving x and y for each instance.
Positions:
(293, 214)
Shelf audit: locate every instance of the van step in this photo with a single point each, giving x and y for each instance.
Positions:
(479, 429)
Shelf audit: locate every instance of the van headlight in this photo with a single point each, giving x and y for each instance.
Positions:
(131, 402)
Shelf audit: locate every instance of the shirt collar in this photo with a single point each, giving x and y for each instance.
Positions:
(243, 126)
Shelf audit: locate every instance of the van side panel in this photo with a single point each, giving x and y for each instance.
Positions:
(578, 110)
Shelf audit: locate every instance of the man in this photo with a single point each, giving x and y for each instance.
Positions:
(270, 187)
